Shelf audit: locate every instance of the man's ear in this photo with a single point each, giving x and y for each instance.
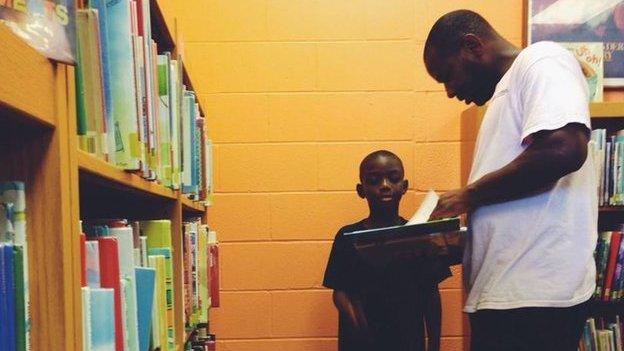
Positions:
(360, 190)
(471, 46)
(404, 186)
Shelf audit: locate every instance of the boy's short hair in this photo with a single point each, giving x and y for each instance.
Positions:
(379, 153)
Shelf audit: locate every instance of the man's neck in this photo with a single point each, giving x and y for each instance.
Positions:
(506, 55)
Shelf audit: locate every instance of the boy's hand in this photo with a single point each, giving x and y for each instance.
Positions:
(453, 203)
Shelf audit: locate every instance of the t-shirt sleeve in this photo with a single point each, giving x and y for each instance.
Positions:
(553, 93)
(338, 273)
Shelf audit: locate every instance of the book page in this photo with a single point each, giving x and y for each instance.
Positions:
(426, 208)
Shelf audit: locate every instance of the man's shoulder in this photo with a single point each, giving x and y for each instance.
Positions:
(543, 50)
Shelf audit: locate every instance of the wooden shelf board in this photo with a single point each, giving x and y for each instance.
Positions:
(28, 88)
(606, 109)
(611, 208)
(191, 205)
(120, 178)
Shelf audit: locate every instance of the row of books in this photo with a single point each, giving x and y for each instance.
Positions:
(128, 290)
(14, 300)
(606, 338)
(133, 107)
(200, 340)
(201, 272)
(609, 257)
(608, 154)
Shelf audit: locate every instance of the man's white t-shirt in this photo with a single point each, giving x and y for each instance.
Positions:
(536, 251)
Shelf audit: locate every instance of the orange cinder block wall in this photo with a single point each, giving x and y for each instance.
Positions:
(296, 93)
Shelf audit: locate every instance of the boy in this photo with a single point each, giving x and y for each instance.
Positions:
(383, 309)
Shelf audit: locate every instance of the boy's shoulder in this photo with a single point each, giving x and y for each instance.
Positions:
(359, 225)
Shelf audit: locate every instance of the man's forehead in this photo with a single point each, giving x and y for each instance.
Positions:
(437, 65)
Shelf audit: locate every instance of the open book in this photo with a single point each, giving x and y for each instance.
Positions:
(416, 240)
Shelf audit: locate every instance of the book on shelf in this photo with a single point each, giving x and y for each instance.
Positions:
(609, 256)
(158, 233)
(133, 107)
(213, 270)
(145, 283)
(607, 152)
(89, 85)
(196, 276)
(98, 320)
(134, 260)
(14, 281)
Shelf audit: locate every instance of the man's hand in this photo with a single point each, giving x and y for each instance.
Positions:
(452, 204)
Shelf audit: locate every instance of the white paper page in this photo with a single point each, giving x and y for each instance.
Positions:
(426, 208)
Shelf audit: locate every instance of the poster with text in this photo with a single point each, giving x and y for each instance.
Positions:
(582, 21)
(46, 25)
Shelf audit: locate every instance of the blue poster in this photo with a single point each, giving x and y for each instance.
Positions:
(582, 21)
(46, 25)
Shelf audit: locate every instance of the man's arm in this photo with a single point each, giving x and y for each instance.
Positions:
(550, 156)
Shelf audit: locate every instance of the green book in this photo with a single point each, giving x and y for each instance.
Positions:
(158, 233)
(20, 305)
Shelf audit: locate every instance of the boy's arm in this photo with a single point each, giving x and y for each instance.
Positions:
(433, 318)
(352, 308)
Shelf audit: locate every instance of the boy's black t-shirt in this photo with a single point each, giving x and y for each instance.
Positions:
(393, 298)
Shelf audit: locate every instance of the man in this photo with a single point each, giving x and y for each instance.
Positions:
(531, 198)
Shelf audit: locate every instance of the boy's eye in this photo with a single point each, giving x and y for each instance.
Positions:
(373, 180)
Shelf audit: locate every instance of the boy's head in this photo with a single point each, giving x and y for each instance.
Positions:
(382, 181)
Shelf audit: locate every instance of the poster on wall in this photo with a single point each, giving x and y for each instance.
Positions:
(48, 26)
(582, 21)
(590, 56)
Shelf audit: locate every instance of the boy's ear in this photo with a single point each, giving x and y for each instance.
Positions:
(404, 186)
(360, 190)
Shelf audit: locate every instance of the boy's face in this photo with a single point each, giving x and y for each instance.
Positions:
(382, 183)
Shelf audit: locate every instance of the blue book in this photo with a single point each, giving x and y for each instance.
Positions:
(127, 147)
(9, 293)
(100, 5)
(4, 332)
(102, 319)
(145, 280)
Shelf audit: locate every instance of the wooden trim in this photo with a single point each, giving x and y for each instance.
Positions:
(28, 78)
(195, 207)
(118, 178)
(606, 109)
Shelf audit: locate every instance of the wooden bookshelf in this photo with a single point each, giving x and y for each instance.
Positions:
(64, 184)
(102, 172)
(606, 109)
(37, 133)
(191, 206)
(29, 82)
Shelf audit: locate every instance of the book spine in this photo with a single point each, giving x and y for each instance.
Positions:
(614, 247)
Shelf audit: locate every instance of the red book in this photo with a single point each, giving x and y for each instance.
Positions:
(213, 264)
(83, 260)
(109, 278)
(613, 253)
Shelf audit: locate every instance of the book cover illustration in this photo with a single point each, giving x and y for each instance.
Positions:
(47, 26)
(591, 59)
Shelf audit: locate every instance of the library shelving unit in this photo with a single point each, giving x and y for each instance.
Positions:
(38, 145)
(609, 115)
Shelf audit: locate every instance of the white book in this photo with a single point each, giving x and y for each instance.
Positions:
(92, 258)
(426, 208)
